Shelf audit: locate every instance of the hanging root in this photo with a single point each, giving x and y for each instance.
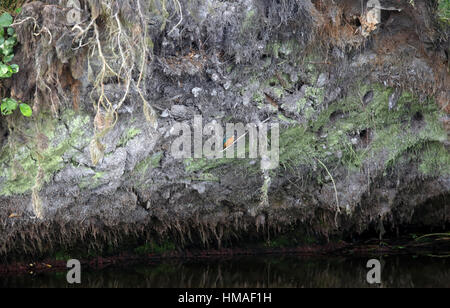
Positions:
(181, 17)
(265, 190)
(338, 210)
(35, 199)
(123, 54)
(29, 28)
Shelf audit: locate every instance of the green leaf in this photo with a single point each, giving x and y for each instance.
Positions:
(5, 20)
(11, 31)
(8, 58)
(26, 110)
(4, 69)
(18, 10)
(7, 51)
(8, 106)
(11, 41)
(14, 68)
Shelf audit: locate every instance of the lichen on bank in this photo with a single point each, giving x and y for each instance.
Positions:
(352, 132)
(45, 148)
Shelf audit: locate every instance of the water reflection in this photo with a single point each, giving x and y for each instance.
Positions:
(272, 272)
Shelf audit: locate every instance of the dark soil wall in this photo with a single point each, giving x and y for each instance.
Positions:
(362, 107)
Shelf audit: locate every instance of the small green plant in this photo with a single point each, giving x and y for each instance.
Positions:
(153, 247)
(12, 6)
(444, 10)
(9, 105)
(8, 40)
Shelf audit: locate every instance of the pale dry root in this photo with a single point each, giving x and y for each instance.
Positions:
(108, 39)
(127, 56)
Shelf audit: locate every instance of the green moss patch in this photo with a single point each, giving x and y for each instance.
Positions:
(128, 135)
(335, 136)
(153, 247)
(150, 162)
(444, 10)
(20, 163)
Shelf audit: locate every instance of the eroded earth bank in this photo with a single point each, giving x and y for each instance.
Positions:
(361, 100)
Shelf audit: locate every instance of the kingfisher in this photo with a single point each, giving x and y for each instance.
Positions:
(228, 142)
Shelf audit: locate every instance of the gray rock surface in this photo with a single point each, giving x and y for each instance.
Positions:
(231, 62)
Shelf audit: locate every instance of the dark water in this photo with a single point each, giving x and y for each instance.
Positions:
(268, 271)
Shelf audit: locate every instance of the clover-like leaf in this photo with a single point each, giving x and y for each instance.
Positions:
(8, 106)
(26, 110)
(5, 20)
(4, 70)
(14, 67)
(11, 41)
(7, 50)
(8, 58)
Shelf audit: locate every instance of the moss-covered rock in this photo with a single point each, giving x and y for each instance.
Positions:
(363, 124)
(45, 150)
